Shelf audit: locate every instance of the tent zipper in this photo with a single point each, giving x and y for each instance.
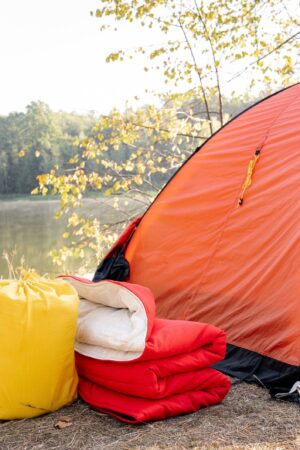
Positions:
(248, 180)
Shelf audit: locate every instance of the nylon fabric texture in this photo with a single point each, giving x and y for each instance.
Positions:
(37, 333)
(205, 259)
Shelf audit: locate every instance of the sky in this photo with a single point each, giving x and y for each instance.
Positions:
(54, 51)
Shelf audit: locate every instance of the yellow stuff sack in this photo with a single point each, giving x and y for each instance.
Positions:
(37, 332)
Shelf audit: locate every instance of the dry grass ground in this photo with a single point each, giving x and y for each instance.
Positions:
(247, 419)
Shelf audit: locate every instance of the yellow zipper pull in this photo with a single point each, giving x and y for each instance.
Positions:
(248, 180)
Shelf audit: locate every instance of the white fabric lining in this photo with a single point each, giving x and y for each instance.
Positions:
(112, 321)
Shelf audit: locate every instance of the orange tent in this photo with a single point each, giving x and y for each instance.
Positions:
(221, 242)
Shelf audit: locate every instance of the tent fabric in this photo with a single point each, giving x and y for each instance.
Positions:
(208, 256)
(252, 366)
(115, 266)
(140, 368)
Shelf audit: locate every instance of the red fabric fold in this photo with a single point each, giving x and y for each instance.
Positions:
(172, 375)
(212, 388)
(176, 353)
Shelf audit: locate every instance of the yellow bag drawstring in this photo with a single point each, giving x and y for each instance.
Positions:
(28, 274)
(248, 181)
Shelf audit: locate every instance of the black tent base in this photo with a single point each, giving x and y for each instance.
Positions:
(249, 366)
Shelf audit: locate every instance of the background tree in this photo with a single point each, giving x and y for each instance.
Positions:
(32, 142)
(210, 47)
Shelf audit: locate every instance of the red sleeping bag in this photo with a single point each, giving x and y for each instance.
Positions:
(139, 368)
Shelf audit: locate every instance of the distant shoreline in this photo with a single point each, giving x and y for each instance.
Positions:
(40, 198)
(27, 197)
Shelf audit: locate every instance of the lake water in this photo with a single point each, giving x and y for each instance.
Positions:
(28, 227)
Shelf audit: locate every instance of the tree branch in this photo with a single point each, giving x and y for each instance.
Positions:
(149, 127)
(214, 60)
(199, 76)
(275, 49)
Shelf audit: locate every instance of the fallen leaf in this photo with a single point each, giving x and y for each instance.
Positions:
(63, 422)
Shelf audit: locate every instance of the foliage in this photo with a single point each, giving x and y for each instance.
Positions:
(31, 142)
(206, 39)
(128, 156)
(209, 46)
